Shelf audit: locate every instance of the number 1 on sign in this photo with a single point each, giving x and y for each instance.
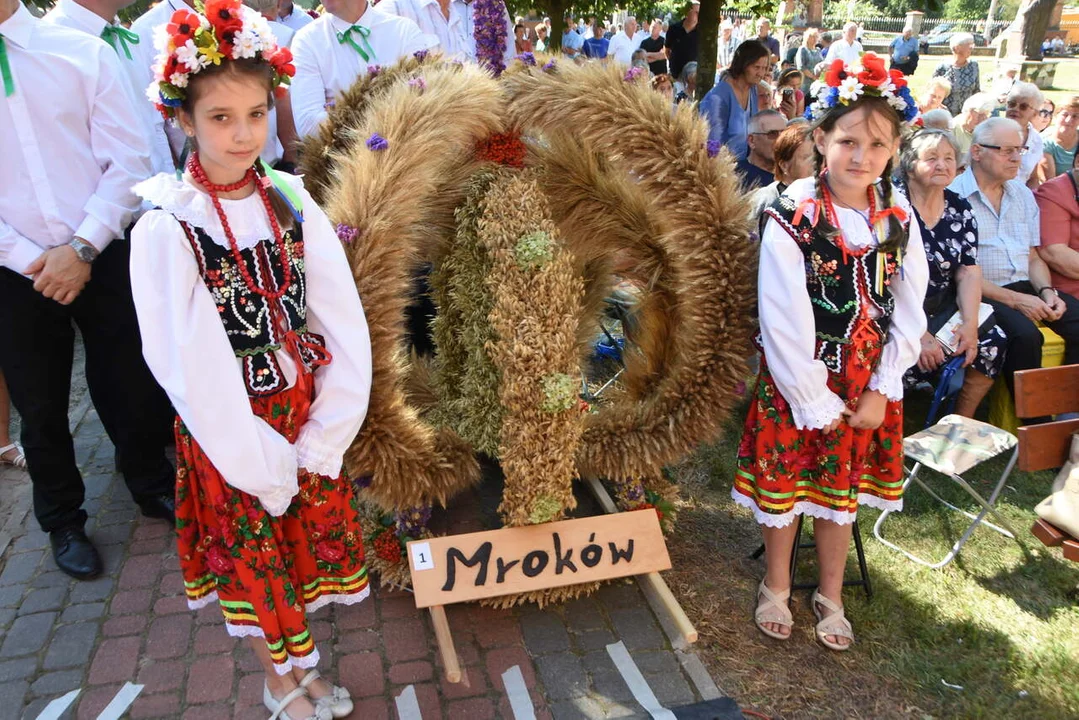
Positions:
(421, 556)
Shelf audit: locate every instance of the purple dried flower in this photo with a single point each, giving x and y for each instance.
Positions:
(490, 33)
(527, 58)
(420, 55)
(412, 521)
(363, 482)
(549, 66)
(377, 143)
(713, 148)
(633, 73)
(374, 70)
(347, 234)
(418, 82)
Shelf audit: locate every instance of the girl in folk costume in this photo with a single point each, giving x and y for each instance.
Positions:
(251, 323)
(842, 278)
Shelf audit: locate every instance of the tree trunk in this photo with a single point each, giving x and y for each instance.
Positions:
(708, 46)
(556, 10)
(1035, 16)
(990, 17)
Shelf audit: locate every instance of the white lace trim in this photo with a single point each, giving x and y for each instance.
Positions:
(247, 217)
(316, 457)
(812, 509)
(248, 631)
(817, 414)
(349, 599)
(887, 382)
(202, 602)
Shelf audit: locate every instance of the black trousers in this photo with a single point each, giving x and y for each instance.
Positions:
(1024, 338)
(37, 343)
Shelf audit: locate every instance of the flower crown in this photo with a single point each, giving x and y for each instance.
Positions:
(219, 30)
(845, 82)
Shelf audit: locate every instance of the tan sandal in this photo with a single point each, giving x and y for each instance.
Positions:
(17, 456)
(773, 608)
(834, 624)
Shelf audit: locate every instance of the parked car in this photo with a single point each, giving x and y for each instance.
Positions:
(942, 35)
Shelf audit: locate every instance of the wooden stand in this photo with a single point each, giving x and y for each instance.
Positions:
(445, 643)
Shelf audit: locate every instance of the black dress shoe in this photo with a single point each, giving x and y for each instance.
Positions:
(74, 554)
(160, 506)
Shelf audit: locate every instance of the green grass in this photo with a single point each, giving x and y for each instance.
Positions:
(1066, 81)
(1001, 620)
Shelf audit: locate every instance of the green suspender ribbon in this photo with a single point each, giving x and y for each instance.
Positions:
(5, 70)
(295, 204)
(364, 33)
(112, 33)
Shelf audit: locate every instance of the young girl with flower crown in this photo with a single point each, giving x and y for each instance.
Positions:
(842, 278)
(251, 322)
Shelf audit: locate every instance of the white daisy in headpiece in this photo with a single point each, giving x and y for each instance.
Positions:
(850, 89)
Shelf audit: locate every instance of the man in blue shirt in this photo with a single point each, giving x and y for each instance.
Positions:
(904, 49)
(758, 166)
(572, 43)
(596, 46)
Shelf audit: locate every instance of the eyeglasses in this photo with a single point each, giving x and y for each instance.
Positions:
(1045, 113)
(1022, 106)
(1006, 151)
(771, 133)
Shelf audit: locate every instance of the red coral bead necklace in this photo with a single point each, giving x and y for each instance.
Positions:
(212, 189)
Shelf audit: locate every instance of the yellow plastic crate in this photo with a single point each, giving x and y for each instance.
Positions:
(1001, 404)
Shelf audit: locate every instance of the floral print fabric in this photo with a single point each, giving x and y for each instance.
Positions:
(268, 572)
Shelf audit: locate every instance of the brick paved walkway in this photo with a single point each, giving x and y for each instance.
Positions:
(132, 624)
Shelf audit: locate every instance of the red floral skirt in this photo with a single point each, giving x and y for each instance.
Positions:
(268, 572)
(784, 471)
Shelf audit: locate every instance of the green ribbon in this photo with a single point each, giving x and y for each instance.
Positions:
(5, 70)
(112, 33)
(364, 33)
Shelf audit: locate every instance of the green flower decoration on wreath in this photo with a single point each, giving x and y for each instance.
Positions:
(560, 393)
(534, 250)
(545, 510)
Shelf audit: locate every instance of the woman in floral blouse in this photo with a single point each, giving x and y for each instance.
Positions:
(950, 235)
(961, 72)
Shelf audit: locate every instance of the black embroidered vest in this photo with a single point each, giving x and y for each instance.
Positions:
(247, 316)
(833, 283)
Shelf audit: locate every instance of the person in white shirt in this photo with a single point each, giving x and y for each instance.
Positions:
(280, 149)
(333, 51)
(623, 44)
(293, 17)
(98, 18)
(452, 22)
(144, 52)
(846, 48)
(72, 148)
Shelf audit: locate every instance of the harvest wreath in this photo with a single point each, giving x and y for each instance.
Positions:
(524, 193)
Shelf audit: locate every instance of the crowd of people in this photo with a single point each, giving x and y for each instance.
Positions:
(225, 319)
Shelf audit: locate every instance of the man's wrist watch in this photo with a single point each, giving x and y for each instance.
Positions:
(84, 250)
(1048, 287)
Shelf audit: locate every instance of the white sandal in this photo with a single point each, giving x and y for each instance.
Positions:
(277, 707)
(773, 609)
(338, 702)
(20, 456)
(835, 624)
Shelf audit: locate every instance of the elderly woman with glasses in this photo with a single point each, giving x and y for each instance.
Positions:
(950, 235)
(1061, 142)
(1022, 104)
(1044, 118)
(961, 73)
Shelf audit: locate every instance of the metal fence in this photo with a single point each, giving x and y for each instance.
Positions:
(895, 25)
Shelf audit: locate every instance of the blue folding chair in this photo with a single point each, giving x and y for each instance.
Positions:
(947, 391)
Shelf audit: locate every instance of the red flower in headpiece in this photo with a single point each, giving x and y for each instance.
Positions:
(182, 27)
(281, 61)
(898, 79)
(874, 72)
(224, 16)
(835, 73)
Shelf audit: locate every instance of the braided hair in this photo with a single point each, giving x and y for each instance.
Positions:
(897, 235)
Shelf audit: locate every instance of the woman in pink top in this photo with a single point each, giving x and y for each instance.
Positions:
(1058, 201)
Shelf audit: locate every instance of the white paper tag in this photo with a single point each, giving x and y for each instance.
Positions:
(421, 556)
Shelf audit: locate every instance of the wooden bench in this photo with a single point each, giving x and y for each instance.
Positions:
(1040, 392)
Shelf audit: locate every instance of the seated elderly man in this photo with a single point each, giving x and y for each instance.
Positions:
(758, 167)
(1015, 278)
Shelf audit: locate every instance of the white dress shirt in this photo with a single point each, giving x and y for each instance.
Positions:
(282, 33)
(69, 13)
(456, 36)
(145, 25)
(297, 20)
(622, 47)
(1035, 150)
(187, 350)
(849, 52)
(70, 147)
(786, 314)
(325, 66)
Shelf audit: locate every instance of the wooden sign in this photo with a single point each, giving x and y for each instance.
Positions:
(460, 568)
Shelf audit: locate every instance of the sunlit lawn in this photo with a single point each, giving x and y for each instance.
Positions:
(1065, 84)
